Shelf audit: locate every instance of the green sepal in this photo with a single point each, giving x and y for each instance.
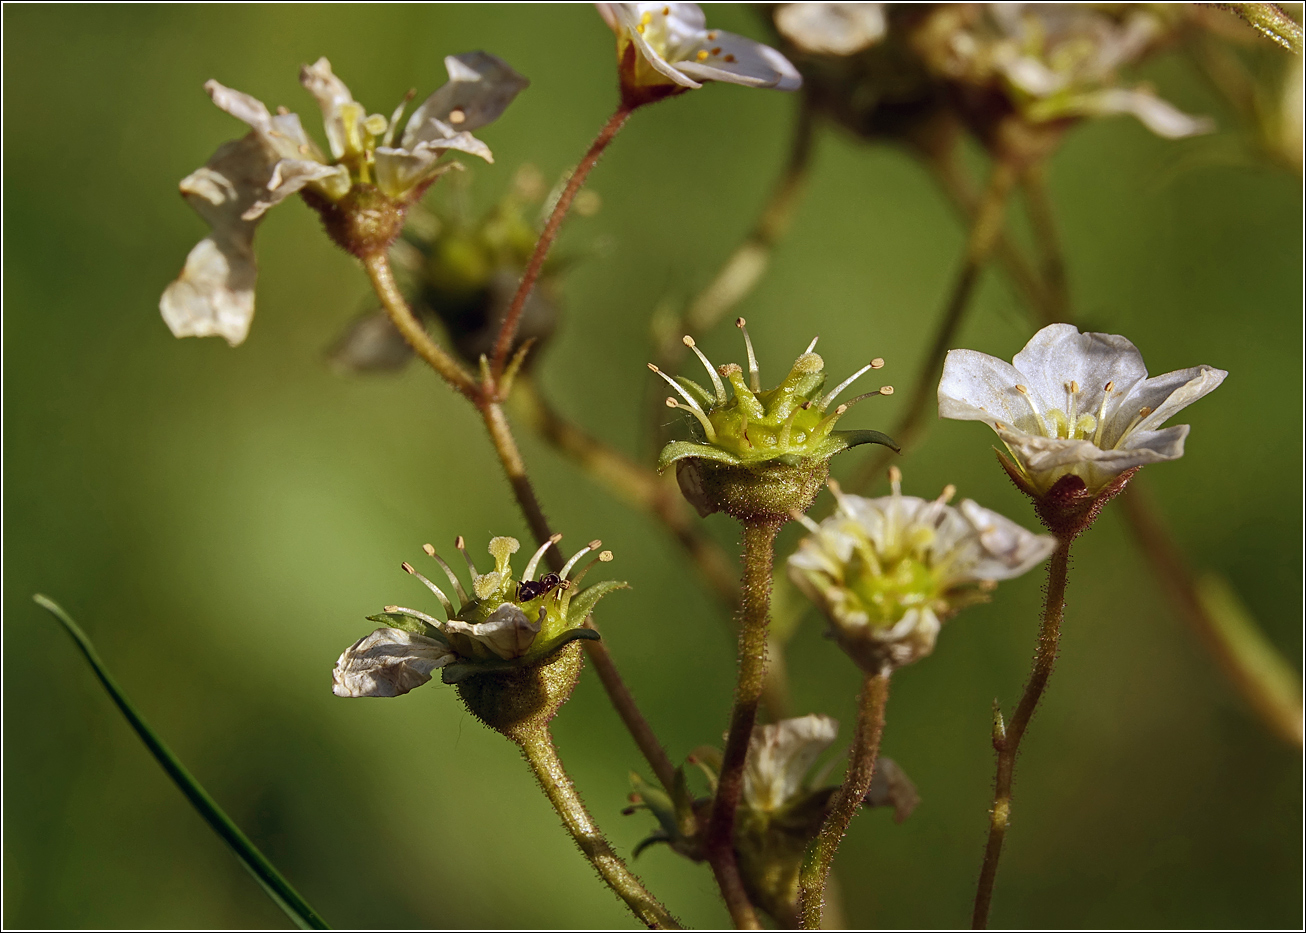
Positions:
(708, 758)
(680, 450)
(582, 604)
(657, 802)
(408, 623)
(842, 440)
(706, 400)
(653, 839)
(461, 670)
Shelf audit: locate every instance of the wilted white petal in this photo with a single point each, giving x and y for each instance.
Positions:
(507, 632)
(1159, 116)
(737, 60)
(1032, 76)
(291, 175)
(780, 755)
(282, 134)
(342, 115)
(890, 787)
(1008, 550)
(480, 88)
(388, 663)
(371, 344)
(214, 295)
(831, 28)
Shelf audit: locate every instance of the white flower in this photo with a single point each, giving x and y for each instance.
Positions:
(1060, 60)
(665, 48)
(779, 756)
(214, 295)
(886, 572)
(1072, 403)
(831, 28)
(489, 630)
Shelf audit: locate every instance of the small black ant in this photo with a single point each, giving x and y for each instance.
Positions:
(534, 589)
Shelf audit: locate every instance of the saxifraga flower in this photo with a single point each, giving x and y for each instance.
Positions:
(1077, 412)
(361, 189)
(888, 572)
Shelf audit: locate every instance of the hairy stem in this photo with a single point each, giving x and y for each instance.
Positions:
(1006, 737)
(508, 331)
(754, 618)
(537, 747)
(847, 800)
(383, 283)
(984, 234)
(1270, 21)
(638, 485)
(505, 445)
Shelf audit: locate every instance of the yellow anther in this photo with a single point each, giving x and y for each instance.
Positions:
(702, 55)
(457, 115)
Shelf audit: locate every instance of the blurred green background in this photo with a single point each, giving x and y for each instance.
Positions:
(221, 520)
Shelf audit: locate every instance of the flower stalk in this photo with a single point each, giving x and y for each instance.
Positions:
(538, 750)
(847, 801)
(754, 618)
(1007, 736)
(511, 321)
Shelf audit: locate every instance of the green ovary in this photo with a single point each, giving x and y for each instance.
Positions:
(885, 597)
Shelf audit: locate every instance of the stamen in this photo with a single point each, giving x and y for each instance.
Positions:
(877, 363)
(895, 480)
(697, 413)
(1038, 415)
(701, 55)
(834, 393)
(882, 390)
(592, 546)
(461, 545)
(1142, 413)
(787, 428)
(711, 370)
(457, 115)
(743, 426)
(448, 572)
(1072, 404)
(1101, 413)
(678, 387)
(602, 558)
(805, 521)
(837, 491)
(534, 562)
(395, 117)
(444, 600)
(754, 376)
(812, 346)
(826, 423)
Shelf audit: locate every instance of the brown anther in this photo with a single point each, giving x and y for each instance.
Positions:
(717, 50)
(948, 492)
(886, 390)
(1074, 386)
(666, 11)
(1109, 386)
(877, 363)
(430, 551)
(390, 608)
(740, 322)
(595, 544)
(555, 538)
(282, 111)
(672, 403)
(687, 341)
(457, 115)
(895, 475)
(653, 368)
(711, 36)
(407, 567)
(840, 410)
(459, 543)
(730, 58)
(1022, 390)
(1144, 412)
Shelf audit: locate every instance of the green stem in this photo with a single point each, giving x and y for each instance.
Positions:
(396, 308)
(537, 748)
(1006, 737)
(847, 800)
(276, 887)
(754, 618)
(511, 320)
(984, 234)
(505, 445)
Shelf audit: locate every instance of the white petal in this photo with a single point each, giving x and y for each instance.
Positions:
(737, 60)
(1059, 354)
(214, 295)
(507, 632)
(1032, 76)
(1159, 116)
(1166, 395)
(291, 175)
(480, 88)
(1008, 549)
(979, 387)
(388, 663)
(780, 755)
(333, 97)
(1166, 444)
(398, 171)
(831, 28)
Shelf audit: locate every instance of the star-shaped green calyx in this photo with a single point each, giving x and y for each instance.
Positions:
(758, 440)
